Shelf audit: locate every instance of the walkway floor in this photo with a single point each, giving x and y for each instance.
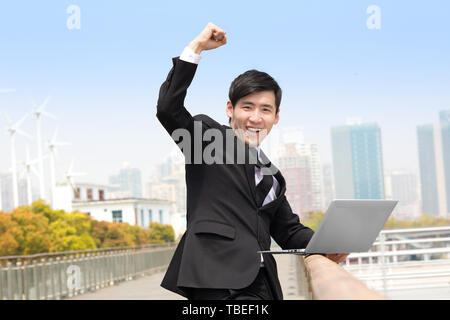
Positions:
(148, 287)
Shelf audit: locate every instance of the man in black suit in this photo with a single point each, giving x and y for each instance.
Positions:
(235, 197)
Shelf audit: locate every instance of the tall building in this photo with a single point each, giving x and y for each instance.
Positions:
(404, 188)
(444, 117)
(169, 183)
(427, 166)
(358, 161)
(300, 166)
(6, 192)
(273, 144)
(328, 185)
(434, 162)
(128, 183)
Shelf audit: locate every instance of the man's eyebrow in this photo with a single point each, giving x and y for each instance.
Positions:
(251, 103)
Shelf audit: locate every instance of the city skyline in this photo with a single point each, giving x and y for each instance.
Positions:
(104, 78)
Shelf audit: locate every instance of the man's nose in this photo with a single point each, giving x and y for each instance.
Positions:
(255, 117)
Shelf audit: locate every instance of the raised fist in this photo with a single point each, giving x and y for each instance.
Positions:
(211, 37)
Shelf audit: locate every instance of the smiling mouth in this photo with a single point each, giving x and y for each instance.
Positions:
(254, 130)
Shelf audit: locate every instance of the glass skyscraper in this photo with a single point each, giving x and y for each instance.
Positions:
(358, 161)
(444, 117)
(434, 161)
(427, 165)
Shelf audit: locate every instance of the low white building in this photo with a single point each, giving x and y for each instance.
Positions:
(134, 211)
(95, 200)
(65, 195)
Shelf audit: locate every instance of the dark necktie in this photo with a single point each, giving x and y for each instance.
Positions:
(264, 186)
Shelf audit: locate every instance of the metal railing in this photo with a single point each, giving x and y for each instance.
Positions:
(403, 259)
(65, 274)
(415, 258)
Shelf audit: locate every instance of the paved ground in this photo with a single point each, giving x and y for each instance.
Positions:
(148, 287)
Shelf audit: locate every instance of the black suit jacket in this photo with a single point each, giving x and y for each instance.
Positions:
(225, 226)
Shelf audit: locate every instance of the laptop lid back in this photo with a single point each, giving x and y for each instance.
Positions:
(350, 226)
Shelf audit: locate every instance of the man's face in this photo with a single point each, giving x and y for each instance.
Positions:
(253, 116)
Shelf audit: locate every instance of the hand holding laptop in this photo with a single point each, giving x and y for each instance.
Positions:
(337, 257)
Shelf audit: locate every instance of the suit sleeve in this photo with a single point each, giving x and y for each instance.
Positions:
(170, 107)
(287, 230)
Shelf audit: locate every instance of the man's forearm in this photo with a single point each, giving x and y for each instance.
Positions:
(170, 107)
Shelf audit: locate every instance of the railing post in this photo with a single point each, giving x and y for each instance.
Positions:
(52, 277)
(85, 271)
(19, 280)
(26, 280)
(58, 269)
(1, 281)
(44, 278)
(37, 292)
(383, 261)
(9, 281)
(394, 249)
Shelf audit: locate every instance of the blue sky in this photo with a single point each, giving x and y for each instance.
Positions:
(104, 78)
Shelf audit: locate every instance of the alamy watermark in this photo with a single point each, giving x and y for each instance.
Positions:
(214, 146)
(74, 20)
(373, 22)
(73, 277)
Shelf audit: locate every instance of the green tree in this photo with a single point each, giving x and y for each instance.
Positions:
(116, 236)
(99, 230)
(11, 234)
(35, 230)
(161, 233)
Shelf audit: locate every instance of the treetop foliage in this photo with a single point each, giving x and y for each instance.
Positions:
(40, 229)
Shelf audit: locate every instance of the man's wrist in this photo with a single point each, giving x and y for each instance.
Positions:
(189, 55)
(195, 46)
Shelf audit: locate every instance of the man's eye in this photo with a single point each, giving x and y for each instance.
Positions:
(266, 109)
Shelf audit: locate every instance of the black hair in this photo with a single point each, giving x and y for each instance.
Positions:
(253, 81)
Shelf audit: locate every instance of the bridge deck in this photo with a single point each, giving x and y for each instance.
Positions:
(148, 287)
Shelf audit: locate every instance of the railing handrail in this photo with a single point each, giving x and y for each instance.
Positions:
(329, 281)
(412, 230)
(398, 252)
(64, 253)
(425, 240)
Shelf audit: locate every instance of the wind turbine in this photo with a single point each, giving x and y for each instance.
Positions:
(12, 130)
(29, 167)
(38, 112)
(52, 144)
(69, 174)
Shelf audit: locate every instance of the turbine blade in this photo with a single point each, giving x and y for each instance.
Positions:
(34, 161)
(18, 123)
(60, 144)
(48, 114)
(44, 104)
(24, 134)
(8, 118)
(35, 172)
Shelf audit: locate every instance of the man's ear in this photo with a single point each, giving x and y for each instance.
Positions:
(229, 109)
(277, 117)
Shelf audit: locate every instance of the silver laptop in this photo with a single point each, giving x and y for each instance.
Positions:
(348, 226)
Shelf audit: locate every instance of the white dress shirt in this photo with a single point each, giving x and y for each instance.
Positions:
(189, 55)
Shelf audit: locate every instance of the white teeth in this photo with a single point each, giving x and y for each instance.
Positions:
(253, 130)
